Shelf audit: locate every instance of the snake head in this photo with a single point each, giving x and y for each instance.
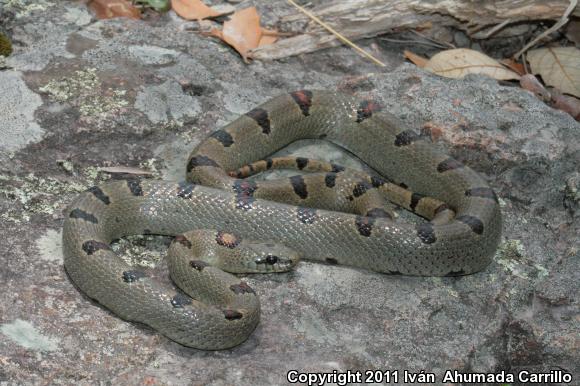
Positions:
(274, 257)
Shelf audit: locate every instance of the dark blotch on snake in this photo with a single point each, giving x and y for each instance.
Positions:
(244, 202)
(200, 160)
(133, 275)
(227, 240)
(482, 192)
(244, 190)
(269, 163)
(406, 137)
(377, 182)
(301, 162)
(366, 110)
(474, 223)
(181, 239)
(232, 314)
(271, 259)
(441, 208)
(378, 213)
(330, 180)
(223, 137)
(364, 225)
(361, 188)
(426, 233)
(261, 117)
(180, 300)
(198, 264)
(303, 99)
(395, 273)
(245, 187)
(306, 215)
(184, 189)
(92, 246)
(242, 288)
(403, 185)
(135, 188)
(337, 168)
(331, 261)
(98, 193)
(299, 186)
(449, 164)
(415, 198)
(79, 213)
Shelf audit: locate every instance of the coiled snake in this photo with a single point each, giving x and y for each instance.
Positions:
(226, 210)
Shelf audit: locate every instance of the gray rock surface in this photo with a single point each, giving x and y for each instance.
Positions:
(84, 94)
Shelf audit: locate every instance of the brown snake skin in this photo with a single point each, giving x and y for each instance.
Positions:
(222, 311)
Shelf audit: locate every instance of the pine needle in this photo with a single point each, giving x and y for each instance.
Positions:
(336, 33)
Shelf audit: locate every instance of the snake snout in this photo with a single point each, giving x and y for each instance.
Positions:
(275, 257)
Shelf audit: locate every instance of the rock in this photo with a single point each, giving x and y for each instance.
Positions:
(17, 107)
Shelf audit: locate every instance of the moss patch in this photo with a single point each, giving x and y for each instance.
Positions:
(5, 45)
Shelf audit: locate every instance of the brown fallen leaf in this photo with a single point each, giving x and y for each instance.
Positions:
(559, 67)
(419, 61)
(459, 62)
(514, 66)
(269, 36)
(107, 9)
(193, 9)
(243, 32)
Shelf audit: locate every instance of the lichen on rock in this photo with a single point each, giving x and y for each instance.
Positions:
(85, 91)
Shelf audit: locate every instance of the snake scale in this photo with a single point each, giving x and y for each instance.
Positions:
(219, 310)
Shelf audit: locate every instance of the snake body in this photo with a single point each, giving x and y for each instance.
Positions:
(213, 199)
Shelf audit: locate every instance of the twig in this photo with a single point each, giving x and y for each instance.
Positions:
(337, 34)
(448, 45)
(525, 62)
(492, 31)
(563, 20)
(426, 43)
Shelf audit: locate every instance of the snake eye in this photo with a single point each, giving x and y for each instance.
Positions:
(268, 259)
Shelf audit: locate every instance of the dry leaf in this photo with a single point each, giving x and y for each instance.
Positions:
(193, 9)
(269, 36)
(559, 67)
(419, 61)
(243, 32)
(459, 62)
(107, 9)
(514, 66)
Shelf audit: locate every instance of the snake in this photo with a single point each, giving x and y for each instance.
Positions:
(223, 221)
